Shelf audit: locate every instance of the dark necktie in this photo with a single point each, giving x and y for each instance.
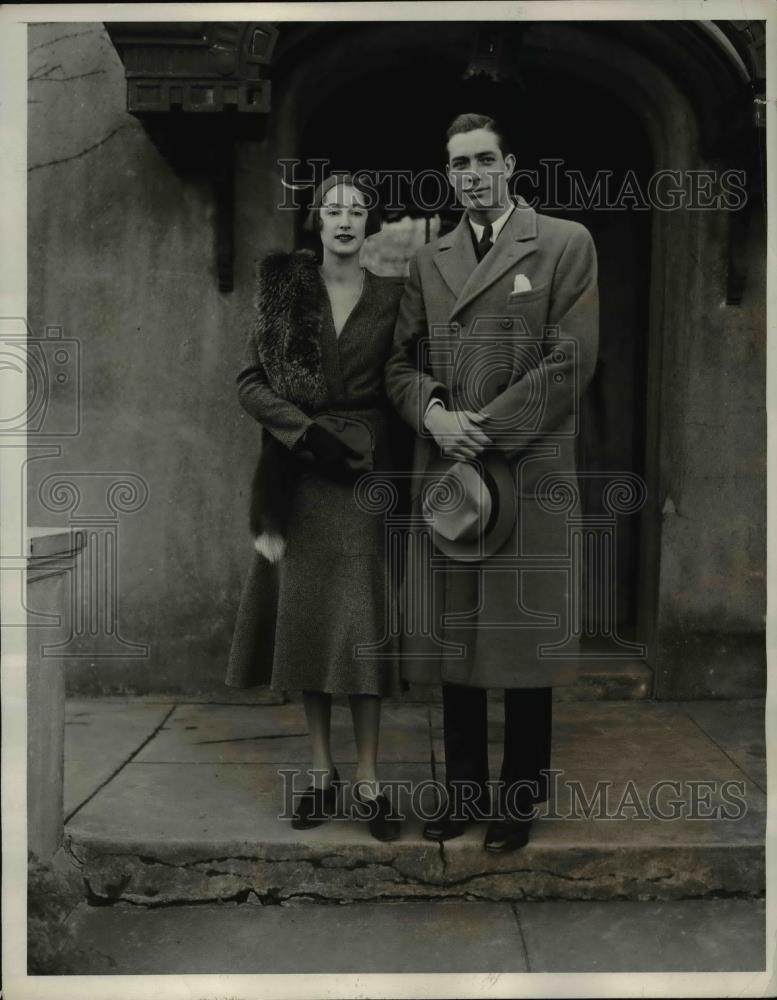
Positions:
(484, 245)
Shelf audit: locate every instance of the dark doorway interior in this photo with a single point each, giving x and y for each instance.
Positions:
(395, 119)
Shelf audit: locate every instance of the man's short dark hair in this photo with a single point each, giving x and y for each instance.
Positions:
(469, 122)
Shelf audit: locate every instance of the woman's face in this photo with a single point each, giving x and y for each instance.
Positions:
(343, 220)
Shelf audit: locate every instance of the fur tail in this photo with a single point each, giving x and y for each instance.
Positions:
(271, 492)
(272, 547)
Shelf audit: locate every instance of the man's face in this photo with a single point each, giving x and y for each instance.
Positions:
(478, 171)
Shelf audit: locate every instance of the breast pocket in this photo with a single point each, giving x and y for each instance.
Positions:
(525, 315)
(523, 298)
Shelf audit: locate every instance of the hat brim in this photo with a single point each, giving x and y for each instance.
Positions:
(502, 524)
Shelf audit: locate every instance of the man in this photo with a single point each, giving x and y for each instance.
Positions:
(496, 338)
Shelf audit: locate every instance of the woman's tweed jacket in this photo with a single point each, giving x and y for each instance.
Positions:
(299, 620)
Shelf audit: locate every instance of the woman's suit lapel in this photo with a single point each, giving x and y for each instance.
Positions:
(330, 348)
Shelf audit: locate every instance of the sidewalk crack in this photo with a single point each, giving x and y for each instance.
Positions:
(524, 948)
(248, 739)
(121, 766)
(723, 751)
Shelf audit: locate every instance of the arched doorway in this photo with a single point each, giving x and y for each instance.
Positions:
(618, 97)
(393, 119)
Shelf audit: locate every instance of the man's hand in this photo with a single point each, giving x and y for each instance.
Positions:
(457, 432)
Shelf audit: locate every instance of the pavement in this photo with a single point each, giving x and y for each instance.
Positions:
(724, 935)
(173, 807)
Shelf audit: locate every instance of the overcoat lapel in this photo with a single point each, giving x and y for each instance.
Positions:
(455, 257)
(459, 267)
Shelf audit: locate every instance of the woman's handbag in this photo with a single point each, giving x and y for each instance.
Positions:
(355, 434)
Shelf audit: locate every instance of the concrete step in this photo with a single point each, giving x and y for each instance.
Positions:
(193, 812)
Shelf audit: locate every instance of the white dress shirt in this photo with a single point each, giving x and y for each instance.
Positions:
(496, 228)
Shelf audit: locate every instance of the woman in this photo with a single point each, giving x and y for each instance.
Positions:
(313, 379)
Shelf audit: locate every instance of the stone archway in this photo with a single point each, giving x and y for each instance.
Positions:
(687, 89)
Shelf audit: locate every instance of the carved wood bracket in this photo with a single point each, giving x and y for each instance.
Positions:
(196, 86)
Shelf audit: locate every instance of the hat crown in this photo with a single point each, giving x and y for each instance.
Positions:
(458, 504)
(470, 506)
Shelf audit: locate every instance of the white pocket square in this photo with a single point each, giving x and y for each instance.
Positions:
(521, 284)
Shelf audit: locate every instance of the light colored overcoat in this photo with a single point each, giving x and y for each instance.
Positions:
(466, 331)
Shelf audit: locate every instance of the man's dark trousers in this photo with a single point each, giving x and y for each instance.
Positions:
(527, 744)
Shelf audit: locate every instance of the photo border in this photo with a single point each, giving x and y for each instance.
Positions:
(13, 302)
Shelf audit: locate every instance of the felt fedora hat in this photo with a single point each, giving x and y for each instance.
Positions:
(470, 506)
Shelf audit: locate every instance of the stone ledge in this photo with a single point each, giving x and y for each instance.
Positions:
(425, 871)
(51, 551)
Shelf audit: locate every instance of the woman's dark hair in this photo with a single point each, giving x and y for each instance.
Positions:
(313, 221)
(470, 122)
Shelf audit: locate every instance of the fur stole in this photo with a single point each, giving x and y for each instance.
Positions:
(288, 307)
(288, 304)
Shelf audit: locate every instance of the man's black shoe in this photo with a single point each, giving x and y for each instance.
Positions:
(504, 835)
(446, 828)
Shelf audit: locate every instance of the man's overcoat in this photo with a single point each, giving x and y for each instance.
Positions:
(516, 336)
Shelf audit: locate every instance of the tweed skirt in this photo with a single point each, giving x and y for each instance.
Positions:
(335, 601)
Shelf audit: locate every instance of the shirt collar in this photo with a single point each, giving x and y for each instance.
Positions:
(496, 226)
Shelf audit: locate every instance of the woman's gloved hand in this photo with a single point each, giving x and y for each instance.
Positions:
(329, 454)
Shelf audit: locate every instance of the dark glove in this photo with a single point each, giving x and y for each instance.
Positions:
(329, 454)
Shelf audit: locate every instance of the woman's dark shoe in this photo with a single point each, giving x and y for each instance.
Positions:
(380, 825)
(316, 805)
